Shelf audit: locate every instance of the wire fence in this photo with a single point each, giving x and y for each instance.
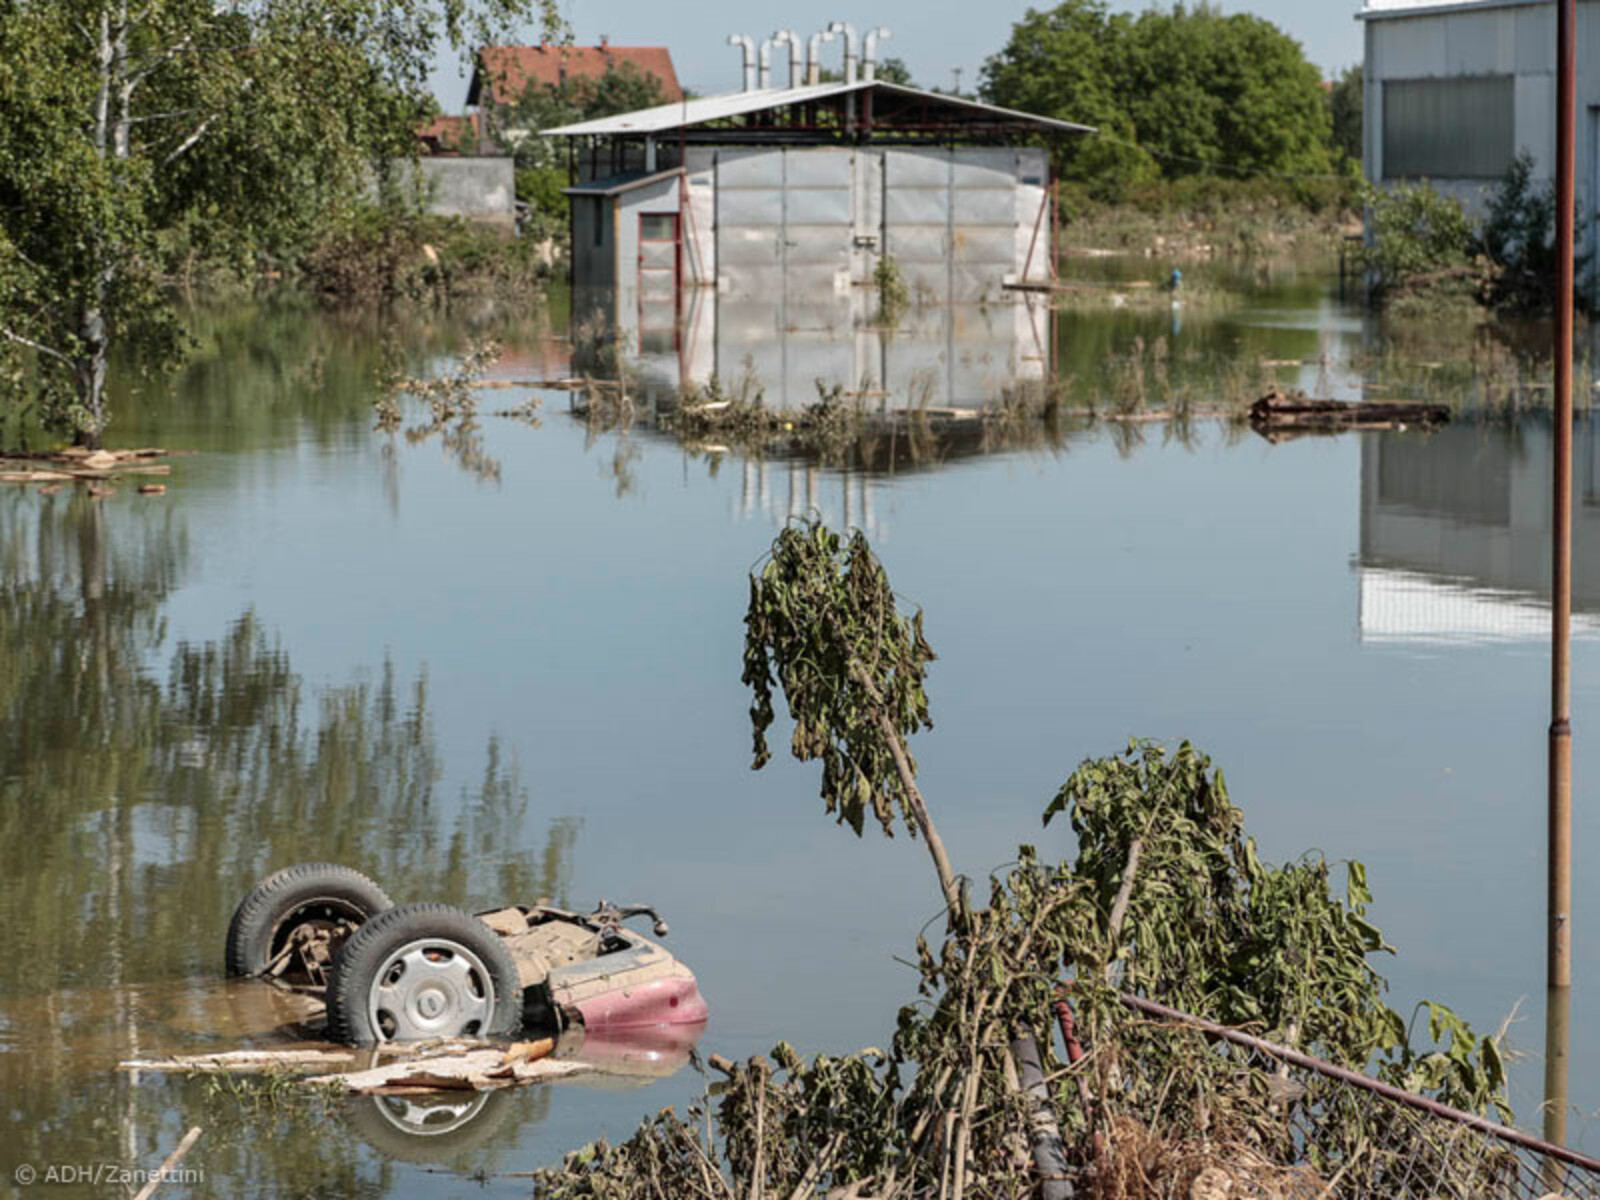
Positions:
(1346, 1134)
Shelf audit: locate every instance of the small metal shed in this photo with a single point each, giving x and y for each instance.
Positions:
(784, 202)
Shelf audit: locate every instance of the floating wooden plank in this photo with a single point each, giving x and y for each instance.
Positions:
(415, 1068)
(245, 1062)
(1281, 413)
(482, 1070)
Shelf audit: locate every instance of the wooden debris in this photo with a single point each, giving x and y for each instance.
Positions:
(452, 1066)
(1287, 413)
(487, 1069)
(559, 385)
(152, 489)
(80, 465)
(164, 1171)
(245, 1062)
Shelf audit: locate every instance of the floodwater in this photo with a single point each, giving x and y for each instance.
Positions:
(506, 669)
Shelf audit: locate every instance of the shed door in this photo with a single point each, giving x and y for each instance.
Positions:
(660, 256)
(785, 227)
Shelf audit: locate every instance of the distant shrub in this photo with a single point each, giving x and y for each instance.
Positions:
(1519, 237)
(379, 253)
(1414, 232)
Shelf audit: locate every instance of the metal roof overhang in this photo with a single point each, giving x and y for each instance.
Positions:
(617, 184)
(669, 118)
(1439, 8)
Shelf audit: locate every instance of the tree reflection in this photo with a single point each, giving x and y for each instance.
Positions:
(146, 786)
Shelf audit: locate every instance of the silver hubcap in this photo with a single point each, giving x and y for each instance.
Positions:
(430, 988)
(428, 1120)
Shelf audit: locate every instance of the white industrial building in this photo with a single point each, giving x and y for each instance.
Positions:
(1456, 89)
(743, 233)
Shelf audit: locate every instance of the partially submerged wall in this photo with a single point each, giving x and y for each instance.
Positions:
(480, 188)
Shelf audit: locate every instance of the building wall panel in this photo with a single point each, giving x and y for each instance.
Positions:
(1462, 127)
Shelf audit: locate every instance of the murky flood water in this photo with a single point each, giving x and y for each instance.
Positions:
(491, 685)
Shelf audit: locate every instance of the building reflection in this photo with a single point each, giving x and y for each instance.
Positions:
(934, 354)
(1455, 534)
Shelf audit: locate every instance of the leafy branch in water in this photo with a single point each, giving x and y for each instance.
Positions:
(452, 401)
(823, 624)
(1166, 900)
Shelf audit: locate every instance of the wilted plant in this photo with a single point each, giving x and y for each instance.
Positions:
(1167, 899)
(452, 400)
(824, 625)
(893, 294)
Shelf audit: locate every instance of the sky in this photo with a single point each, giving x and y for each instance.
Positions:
(932, 36)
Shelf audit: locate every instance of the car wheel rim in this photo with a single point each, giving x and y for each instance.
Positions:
(430, 988)
(415, 1119)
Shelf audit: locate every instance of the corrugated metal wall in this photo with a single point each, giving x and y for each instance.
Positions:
(799, 233)
(1460, 127)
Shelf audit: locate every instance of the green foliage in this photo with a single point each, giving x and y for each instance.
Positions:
(375, 254)
(1420, 237)
(130, 129)
(894, 70)
(1414, 231)
(1173, 92)
(1346, 114)
(893, 294)
(1518, 238)
(890, 70)
(1167, 899)
(542, 162)
(794, 1127)
(542, 190)
(823, 625)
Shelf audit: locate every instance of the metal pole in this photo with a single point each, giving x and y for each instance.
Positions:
(1559, 960)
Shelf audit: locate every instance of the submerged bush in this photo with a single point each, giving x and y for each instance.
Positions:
(1519, 238)
(1420, 238)
(382, 253)
(1414, 232)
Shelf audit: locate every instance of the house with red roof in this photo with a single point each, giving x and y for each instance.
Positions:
(504, 73)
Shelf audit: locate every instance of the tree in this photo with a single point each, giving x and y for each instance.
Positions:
(134, 130)
(890, 70)
(1180, 91)
(1416, 231)
(541, 161)
(1056, 65)
(824, 627)
(1346, 112)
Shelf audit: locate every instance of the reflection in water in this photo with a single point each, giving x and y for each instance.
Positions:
(137, 804)
(1455, 534)
(937, 353)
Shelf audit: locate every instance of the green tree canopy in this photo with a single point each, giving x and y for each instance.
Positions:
(1346, 102)
(1173, 92)
(541, 161)
(131, 130)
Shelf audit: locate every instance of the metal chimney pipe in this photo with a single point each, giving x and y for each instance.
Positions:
(849, 32)
(869, 51)
(765, 74)
(749, 47)
(788, 37)
(814, 55)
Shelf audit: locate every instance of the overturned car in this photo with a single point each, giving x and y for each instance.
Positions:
(420, 971)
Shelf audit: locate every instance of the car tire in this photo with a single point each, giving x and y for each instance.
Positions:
(423, 971)
(271, 911)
